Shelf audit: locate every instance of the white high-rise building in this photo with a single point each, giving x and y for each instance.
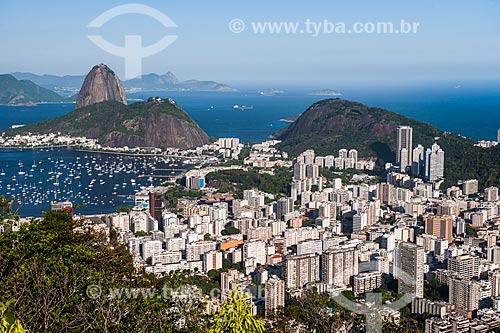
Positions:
(494, 279)
(491, 193)
(195, 250)
(212, 260)
(284, 206)
(434, 163)
(275, 294)
(404, 146)
(151, 248)
(255, 249)
(300, 270)
(417, 165)
(339, 265)
(466, 265)
(409, 269)
(464, 294)
(310, 246)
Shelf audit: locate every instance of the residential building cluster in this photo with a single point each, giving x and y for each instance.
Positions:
(334, 235)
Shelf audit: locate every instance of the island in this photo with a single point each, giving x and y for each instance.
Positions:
(325, 92)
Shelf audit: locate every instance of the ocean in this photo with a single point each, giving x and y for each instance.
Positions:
(471, 109)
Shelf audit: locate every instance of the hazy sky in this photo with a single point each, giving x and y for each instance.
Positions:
(456, 40)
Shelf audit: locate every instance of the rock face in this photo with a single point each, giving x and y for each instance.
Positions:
(101, 84)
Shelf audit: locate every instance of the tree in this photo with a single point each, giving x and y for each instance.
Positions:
(315, 312)
(230, 230)
(48, 266)
(470, 230)
(124, 209)
(235, 316)
(140, 233)
(9, 323)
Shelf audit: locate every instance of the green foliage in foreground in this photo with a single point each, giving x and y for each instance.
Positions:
(9, 323)
(235, 316)
(47, 267)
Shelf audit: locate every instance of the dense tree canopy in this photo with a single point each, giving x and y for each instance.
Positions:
(48, 268)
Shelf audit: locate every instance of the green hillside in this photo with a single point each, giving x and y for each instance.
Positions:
(155, 123)
(24, 92)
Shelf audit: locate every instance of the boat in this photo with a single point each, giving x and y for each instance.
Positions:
(242, 107)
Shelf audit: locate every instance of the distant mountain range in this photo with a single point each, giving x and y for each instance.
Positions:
(24, 92)
(70, 84)
(325, 92)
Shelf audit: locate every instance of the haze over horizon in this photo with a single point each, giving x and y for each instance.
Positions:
(56, 42)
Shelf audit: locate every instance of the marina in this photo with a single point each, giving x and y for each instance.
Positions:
(94, 182)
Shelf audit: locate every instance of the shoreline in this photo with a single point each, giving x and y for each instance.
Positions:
(118, 153)
(81, 150)
(36, 104)
(36, 148)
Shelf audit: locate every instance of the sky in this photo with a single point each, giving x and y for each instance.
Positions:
(455, 40)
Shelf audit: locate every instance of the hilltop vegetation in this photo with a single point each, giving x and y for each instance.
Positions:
(155, 123)
(236, 181)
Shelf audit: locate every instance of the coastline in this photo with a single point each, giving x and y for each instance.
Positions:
(35, 104)
(94, 151)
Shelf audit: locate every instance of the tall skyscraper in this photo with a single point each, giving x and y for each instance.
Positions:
(417, 166)
(409, 270)
(498, 135)
(301, 270)
(464, 294)
(275, 294)
(339, 265)
(404, 147)
(284, 206)
(434, 163)
(155, 206)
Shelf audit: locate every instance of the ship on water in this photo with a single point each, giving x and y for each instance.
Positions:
(242, 107)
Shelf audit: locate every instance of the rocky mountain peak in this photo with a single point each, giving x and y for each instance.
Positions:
(101, 84)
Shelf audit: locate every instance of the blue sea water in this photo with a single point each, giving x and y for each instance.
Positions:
(471, 109)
